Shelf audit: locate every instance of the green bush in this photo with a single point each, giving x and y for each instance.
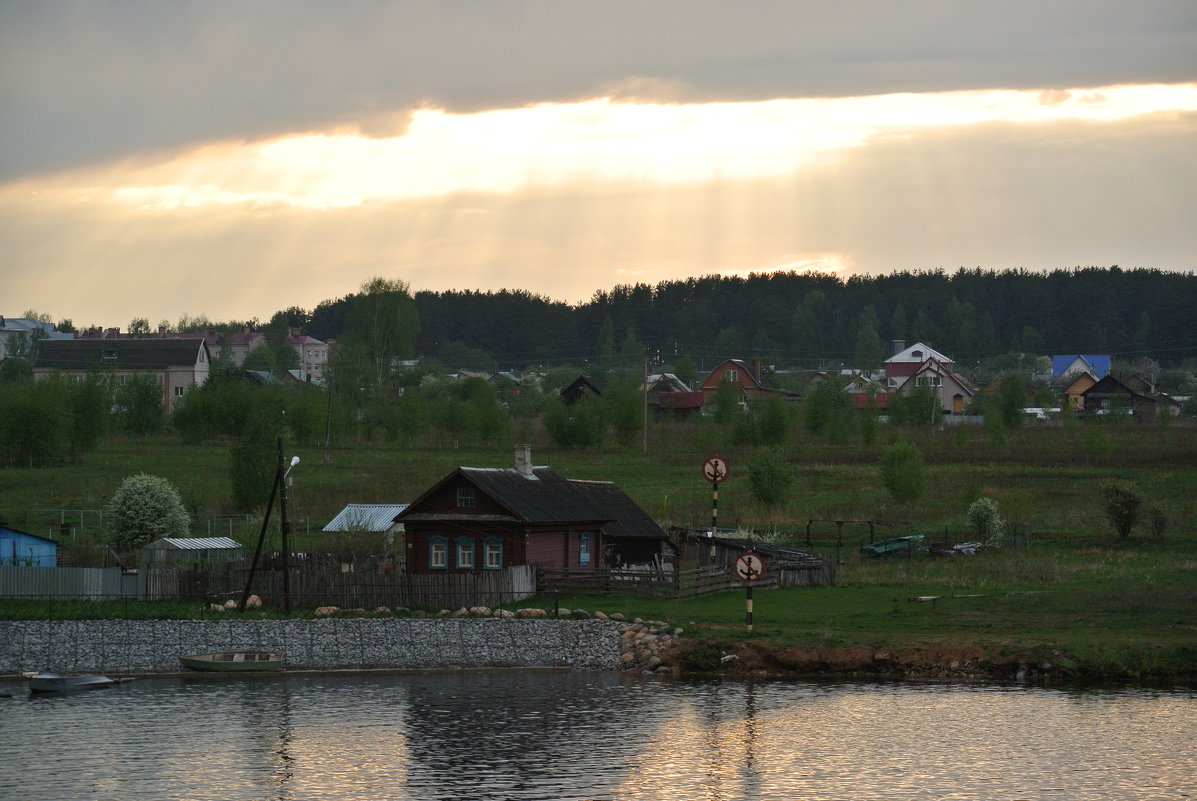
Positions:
(1122, 503)
(1157, 518)
(903, 472)
(770, 477)
(983, 517)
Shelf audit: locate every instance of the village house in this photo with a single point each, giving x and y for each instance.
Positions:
(921, 366)
(581, 388)
(1111, 395)
(17, 334)
(1097, 366)
(479, 519)
(178, 365)
(671, 398)
(747, 379)
(311, 353)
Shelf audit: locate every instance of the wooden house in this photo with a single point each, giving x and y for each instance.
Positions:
(582, 387)
(479, 519)
(1111, 396)
(1073, 396)
(747, 378)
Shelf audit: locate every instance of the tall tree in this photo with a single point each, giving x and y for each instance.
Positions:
(382, 329)
(138, 404)
(605, 346)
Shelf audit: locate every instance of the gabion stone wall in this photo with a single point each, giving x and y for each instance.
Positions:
(117, 646)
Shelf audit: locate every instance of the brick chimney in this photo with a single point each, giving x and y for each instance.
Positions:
(523, 459)
(899, 346)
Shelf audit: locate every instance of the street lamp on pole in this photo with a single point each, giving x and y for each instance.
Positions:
(283, 526)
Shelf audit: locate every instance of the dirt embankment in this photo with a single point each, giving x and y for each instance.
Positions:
(932, 661)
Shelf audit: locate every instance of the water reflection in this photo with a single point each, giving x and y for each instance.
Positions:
(565, 735)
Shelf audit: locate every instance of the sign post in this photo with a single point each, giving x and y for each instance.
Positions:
(714, 470)
(748, 568)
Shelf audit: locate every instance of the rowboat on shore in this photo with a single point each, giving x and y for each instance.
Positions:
(59, 682)
(234, 661)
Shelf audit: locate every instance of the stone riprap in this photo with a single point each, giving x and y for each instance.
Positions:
(642, 643)
(155, 645)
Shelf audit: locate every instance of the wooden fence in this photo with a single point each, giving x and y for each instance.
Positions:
(685, 583)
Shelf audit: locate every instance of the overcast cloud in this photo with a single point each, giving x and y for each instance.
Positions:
(86, 81)
(203, 157)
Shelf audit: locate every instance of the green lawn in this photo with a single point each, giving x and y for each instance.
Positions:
(1075, 586)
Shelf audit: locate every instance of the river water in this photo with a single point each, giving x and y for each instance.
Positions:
(573, 735)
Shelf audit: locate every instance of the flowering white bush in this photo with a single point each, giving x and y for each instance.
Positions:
(145, 508)
(983, 516)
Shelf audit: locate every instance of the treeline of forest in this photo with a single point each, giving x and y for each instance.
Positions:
(807, 320)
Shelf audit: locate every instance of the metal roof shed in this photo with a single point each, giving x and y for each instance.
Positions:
(367, 517)
(192, 549)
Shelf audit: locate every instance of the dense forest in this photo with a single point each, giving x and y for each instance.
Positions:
(810, 320)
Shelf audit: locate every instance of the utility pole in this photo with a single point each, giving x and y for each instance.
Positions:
(283, 475)
(646, 398)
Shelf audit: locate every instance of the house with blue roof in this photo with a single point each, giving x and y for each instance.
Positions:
(1097, 366)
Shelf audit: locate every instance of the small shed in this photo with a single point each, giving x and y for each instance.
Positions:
(373, 517)
(187, 550)
(21, 549)
(368, 518)
(792, 567)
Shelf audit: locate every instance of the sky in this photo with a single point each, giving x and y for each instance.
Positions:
(189, 158)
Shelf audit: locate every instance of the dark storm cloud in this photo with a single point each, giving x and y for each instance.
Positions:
(88, 81)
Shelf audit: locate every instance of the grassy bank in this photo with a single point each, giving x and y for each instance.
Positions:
(1117, 607)
(1044, 478)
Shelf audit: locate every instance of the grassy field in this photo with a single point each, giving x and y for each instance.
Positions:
(1075, 586)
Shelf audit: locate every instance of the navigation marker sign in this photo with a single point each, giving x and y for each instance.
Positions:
(749, 566)
(714, 469)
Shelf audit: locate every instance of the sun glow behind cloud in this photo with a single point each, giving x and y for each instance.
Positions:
(501, 151)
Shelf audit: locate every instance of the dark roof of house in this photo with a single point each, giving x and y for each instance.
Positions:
(543, 497)
(580, 386)
(129, 354)
(629, 520)
(1110, 385)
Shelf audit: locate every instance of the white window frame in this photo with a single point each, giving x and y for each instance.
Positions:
(464, 547)
(493, 554)
(584, 548)
(467, 498)
(438, 553)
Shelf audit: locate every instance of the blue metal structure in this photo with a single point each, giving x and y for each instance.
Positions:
(20, 549)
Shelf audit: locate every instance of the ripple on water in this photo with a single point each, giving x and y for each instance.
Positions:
(572, 735)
